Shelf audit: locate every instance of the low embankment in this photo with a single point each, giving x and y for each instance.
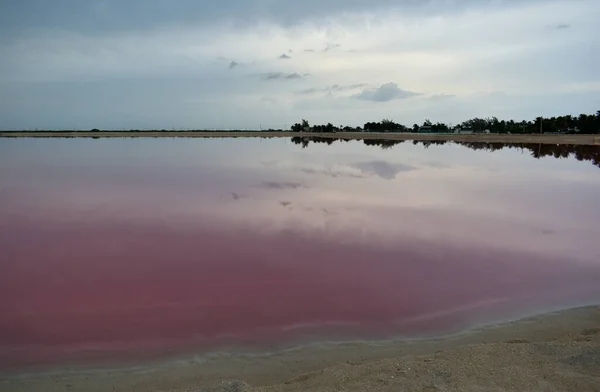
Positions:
(489, 138)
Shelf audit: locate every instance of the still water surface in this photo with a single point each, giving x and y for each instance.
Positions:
(141, 247)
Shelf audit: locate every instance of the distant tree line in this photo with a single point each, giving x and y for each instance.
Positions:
(568, 124)
(536, 150)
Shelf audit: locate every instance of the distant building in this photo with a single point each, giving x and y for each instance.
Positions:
(463, 130)
(569, 130)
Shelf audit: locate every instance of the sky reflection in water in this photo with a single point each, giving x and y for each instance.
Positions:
(141, 245)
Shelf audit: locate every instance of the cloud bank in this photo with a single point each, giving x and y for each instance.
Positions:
(385, 93)
(156, 64)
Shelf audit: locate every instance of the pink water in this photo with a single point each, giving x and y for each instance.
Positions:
(124, 253)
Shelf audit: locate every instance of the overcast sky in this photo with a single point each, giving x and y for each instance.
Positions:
(269, 63)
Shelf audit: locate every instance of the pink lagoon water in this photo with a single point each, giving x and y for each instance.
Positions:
(135, 248)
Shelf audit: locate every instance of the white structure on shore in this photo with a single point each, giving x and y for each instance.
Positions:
(463, 130)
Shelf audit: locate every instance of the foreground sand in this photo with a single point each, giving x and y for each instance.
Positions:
(484, 138)
(553, 352)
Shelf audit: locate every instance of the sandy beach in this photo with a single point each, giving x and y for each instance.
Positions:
(487, 138)
(557, 351)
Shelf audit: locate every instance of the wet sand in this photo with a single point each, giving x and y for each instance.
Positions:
(557, 351)
(491, 138)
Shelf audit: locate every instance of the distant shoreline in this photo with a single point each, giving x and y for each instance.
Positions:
(483, 138)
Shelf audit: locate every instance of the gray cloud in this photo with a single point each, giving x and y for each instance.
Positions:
(285, 57)
(331, 47)
(441, 97)
(282, 76)
(437, 165)
(328, 212)
(233, 64)
(285, 203)
(269, 100)
(332, 88)
(236, 196)
(330, 173)
(281, 185)
(562, 26)
(110, 15)
(383, 169)
(386, 92)
(352, 86)
(309, 91)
